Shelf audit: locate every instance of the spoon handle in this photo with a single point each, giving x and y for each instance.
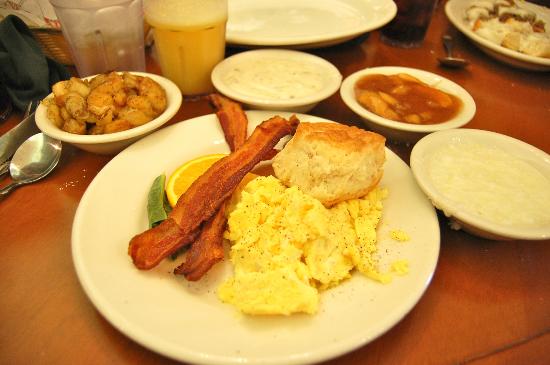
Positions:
(7, 189)
(448, 44)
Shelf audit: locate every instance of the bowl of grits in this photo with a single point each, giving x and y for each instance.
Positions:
(276, 79)
(404, 104)
(503, 195)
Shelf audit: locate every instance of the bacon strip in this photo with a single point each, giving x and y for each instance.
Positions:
(208, 249)
(232, 119)
(206, 195)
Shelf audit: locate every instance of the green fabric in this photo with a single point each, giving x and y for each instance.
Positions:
(26, 73)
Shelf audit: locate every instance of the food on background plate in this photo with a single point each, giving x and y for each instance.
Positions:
(509, 24)
(404, 98)
(107, 103)
(331, 162)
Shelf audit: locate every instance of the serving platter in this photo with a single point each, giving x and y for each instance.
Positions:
(186, 321)
(456, 13)
(305, 23)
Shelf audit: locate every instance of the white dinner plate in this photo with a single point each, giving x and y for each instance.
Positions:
(456, 12)
(304, 23)
(186, 321)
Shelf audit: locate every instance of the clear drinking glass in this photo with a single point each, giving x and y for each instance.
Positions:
(104, 35)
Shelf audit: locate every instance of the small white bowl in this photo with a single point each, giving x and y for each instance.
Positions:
(492, 183)
(112, 143)
(400, 131)
(276, 79)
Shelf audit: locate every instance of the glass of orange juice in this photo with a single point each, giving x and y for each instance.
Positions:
(189, 39)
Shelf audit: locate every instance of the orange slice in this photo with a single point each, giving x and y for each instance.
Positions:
(182, 178)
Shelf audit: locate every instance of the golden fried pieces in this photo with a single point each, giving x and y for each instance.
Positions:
(107, 103)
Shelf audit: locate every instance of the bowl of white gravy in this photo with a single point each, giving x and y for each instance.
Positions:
(276, 79)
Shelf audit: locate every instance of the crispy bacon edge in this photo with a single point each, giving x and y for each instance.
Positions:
(206, 195)
(207, 250)
(232, 119)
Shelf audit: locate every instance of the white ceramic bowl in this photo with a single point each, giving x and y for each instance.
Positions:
(400, 131)
(112, 143)
(526, 206)
(276, 79)
(456, 13)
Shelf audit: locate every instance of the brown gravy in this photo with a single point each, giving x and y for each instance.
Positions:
(404, 98)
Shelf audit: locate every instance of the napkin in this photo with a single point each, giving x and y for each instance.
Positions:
(26, 74)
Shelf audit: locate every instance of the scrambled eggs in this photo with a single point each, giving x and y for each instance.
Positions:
(286, 246)
(399, 235)
(400, 267)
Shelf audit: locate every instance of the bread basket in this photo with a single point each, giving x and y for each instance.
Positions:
(53, 44)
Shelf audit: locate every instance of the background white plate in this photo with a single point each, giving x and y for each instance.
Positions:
(186, 321)
(456, 12)
(304, 23)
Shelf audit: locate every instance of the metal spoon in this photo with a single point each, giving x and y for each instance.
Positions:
(451, 61)
(34, 159)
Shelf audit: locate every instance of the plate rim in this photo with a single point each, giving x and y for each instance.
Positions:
(313, 41)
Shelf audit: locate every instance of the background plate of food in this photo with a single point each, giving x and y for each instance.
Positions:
(304, 24)
(186, 320)
(523, 42)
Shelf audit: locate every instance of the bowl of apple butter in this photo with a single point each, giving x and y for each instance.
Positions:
(404, 104)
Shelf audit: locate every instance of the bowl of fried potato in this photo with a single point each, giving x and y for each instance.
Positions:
(405, 104)
(105, 113)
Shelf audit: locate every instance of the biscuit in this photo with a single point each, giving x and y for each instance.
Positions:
(331, 162)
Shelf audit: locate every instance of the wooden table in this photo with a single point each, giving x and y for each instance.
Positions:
(488, 303)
